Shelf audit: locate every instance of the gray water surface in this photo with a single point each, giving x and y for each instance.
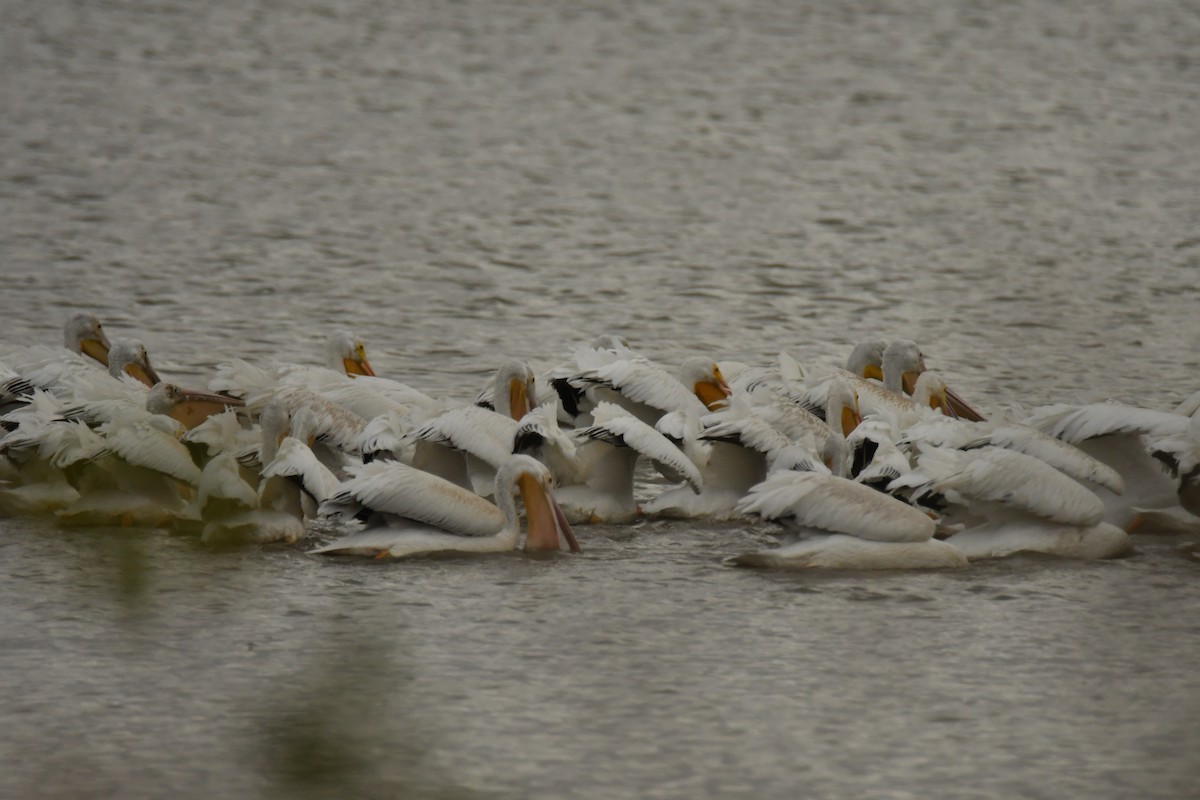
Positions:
(1014, 185)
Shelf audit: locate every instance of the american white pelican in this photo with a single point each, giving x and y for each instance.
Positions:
(145, 479)
(964, 435)
(344, 352)
(594, 478)
(84, 334)
(1007, 502)
(648, 392)
(293, 481)
(573, 399)
(415, 513)
(39, 446)
(1181, 453)
(899, 366)
(742, 443)
(345, 358)
(843, 525)
(466, 445)
(128, 357)
(1119, 436)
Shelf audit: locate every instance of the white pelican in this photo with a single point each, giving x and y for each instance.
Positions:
(902, 366)
(843, 525)
(84, 334)
(594, 477)
(466, 445)
(573, 399)
(293, 481)
(1008, 502)
(345, 357)
(741, 443)
(648, 391)
(900, 410)
(1119, 436)
(146, 478)
(39, 446)
(963, 435)
(1181, 453)
(345, 352)
(128, 357)
(420, 513)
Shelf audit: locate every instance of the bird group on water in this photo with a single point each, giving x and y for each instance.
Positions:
(878, 465)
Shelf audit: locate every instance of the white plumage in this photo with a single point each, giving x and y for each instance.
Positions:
(418, 513)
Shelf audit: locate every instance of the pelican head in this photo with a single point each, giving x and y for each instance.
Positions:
(704, 378)
(546, 525)
(84, 334)
(930, 390)
(345, 353)
(128, 357)
(841, 410)
(187, 406)
(867, 359)
(514, 392)
(902, 363)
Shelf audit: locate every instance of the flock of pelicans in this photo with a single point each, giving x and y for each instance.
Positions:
(875, 466)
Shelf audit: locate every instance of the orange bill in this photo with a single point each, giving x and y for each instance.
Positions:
(961, 408)
(518, 398)
(850, 420)
(713, 393)
(94, 348)
(142, 372)
(193, 407)
(358, 365)
(547, 528)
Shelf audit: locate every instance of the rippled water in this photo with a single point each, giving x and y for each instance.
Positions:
(1012, 184)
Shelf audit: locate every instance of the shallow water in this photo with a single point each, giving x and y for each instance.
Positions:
(1013, 185)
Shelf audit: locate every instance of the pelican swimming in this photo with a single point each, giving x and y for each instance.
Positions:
(843, 525)
(741, 443)
(467, 444)
(1005, 502)
(1120, 435)
(84, 334)
(648, 391)
(345, 352)
(415, 513)
(594, 477)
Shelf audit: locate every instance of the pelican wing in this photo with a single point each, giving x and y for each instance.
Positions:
(1007, 478)
(398, 489)
(1064, 457)
(617, 426)
(836, 505)
(750, 431)
(332, 424)
(1075, 424)
(965, 435)
(141, 443)
(482, 433)
(221, 480)
(642, 382)
(294, 459)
